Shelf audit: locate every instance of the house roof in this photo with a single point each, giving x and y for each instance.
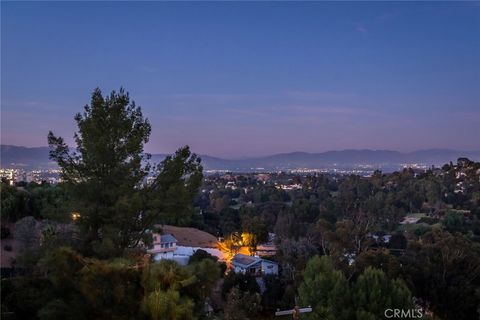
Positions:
(167, 238)
(190, 237)
(245, 261)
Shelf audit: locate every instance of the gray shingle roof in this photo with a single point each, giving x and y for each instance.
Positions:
(167, 238)
(245, 261)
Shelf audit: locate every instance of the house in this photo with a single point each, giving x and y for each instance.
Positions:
(179, 244)
(268, 248)
(412, 218)
(255, 266)
(163, 243)
(385, 238)
(269, 267)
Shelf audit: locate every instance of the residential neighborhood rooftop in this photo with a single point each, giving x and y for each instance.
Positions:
(244, 260)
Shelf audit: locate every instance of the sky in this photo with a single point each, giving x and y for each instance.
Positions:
(235, 79)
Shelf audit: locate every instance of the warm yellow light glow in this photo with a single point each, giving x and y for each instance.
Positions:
(248, 239)
(231, 247)
(75, 216)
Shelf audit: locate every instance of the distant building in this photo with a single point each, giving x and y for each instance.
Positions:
(288, 187)
(228, 177)
(411, 219)
(255, 266)
(385, 239)
(231, 185)
(262, 177)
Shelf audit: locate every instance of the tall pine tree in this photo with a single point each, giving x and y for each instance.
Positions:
(105, 176)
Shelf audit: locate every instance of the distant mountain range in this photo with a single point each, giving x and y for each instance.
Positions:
(37, 158)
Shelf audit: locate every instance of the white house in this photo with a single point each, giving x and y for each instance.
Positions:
(182, 254)
(163, 243)
(255, 266)
(179, 244)
(269, 267)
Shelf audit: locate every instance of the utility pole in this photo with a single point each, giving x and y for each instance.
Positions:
(295, 312)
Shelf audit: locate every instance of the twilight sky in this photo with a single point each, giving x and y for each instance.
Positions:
(249, 79)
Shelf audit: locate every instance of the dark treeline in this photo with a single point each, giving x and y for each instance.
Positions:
(349, 246)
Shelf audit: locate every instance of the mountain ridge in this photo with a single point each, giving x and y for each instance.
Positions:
(37, 157)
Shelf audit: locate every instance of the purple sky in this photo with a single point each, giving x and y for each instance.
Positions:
(249, 79)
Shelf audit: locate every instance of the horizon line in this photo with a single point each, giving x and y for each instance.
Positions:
(280, 153)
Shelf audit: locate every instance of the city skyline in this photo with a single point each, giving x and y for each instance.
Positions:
(249, 79)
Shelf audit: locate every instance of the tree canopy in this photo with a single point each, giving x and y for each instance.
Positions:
(332, 296)
(106, 176)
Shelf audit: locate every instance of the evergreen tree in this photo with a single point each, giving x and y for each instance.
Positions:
(331, 296)
(168, 305)
(105, 176)
(373, 293)
(326, 290)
